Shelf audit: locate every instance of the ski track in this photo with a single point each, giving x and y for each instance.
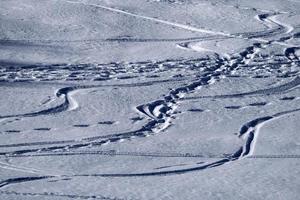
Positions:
(12, 42)
(181, 26)
(70, 103)
(160, 113)
(54, 194)
(21, 169)
(265, 92)
(249, 132)
(274, 26)
(256, 36)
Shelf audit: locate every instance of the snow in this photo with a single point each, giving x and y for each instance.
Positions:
(149, 99)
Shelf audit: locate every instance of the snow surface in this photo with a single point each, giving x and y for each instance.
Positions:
(149, 99)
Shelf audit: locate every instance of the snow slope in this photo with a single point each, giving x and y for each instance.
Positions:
(149, 99)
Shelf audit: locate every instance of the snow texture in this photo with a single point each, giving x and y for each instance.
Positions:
(149, 99)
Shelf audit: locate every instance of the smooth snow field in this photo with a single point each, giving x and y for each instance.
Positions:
(150, 99)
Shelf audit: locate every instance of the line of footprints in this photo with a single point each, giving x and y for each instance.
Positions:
(138, 118)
